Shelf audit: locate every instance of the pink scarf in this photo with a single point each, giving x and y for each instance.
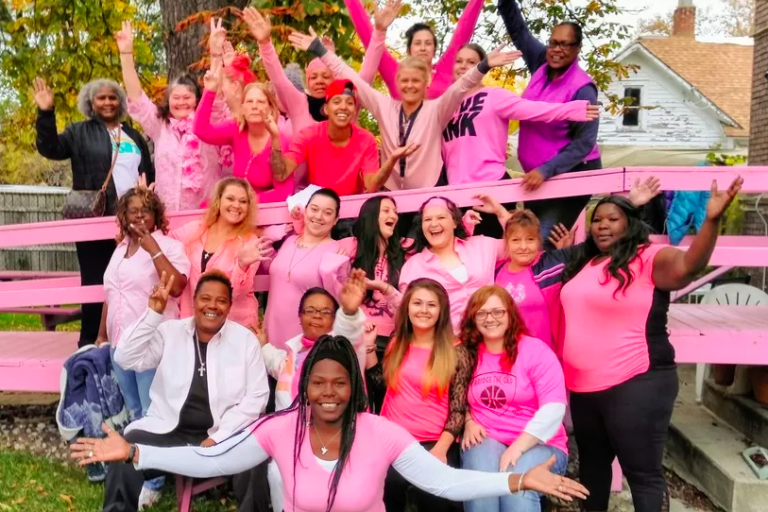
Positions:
(307, 343)
(191, 158)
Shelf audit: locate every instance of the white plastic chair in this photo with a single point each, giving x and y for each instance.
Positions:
(734, 294)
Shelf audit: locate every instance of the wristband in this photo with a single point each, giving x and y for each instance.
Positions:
(216, 54)
(131, 454)
(155, 256)
(126, 53)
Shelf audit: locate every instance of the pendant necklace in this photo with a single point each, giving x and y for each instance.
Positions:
(291, 266)
(201, 369)
(323, 446)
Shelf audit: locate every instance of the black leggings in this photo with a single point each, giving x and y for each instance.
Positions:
(93, 258)
(399, 493)
(628, 421)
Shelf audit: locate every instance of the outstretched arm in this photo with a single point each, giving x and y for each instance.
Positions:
(534, 52)
(387, 66)
(220, 133)
(443, 76)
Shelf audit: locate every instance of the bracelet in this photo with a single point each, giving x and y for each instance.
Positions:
(370, 349)
(155, 256)
(520, 482)
(216, 54)
(131, 454)
(126, 53)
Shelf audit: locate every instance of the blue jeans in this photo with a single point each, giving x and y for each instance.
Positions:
(486, 457)
(135, 388)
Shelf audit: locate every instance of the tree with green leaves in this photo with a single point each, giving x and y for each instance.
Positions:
(70, 43)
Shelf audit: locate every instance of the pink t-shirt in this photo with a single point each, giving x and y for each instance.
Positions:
(503, 402)
(477, 253)
(423, 416)
(475, 140)
(293, 271)
(529, 300)
(378, 443)
(608, 335)
(335, 167)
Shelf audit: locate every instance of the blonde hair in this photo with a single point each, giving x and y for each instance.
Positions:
(248, 225)
(415, 63)
(442, 361)
(271, 100)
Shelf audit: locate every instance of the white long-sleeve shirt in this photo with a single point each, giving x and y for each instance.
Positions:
(378, 444)
(276, 360)
(237, 379)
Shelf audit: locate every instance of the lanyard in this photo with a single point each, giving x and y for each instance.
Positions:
(405, 132)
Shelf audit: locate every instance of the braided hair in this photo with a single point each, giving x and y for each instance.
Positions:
(340, 350)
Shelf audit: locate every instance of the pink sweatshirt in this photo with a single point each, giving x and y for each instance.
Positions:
(186, 170)
(254, 168)
(442, 76)
(422, 167)
(475, 140)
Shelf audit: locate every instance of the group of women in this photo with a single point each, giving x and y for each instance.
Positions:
(469, 345)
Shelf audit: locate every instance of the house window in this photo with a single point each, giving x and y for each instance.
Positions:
(632, 108)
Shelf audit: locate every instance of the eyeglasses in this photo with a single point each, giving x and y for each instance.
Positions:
(496, 313)
(562, 45)
(310, 311)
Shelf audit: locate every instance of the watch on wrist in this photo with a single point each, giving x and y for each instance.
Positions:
(131, 454)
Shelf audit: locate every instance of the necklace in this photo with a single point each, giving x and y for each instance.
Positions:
(324, 446)
(200, 370)
(291, 266)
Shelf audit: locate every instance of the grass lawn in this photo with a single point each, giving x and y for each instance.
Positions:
(36, 484)
(21, 322)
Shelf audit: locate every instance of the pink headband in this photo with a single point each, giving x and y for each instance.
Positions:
(436, 201)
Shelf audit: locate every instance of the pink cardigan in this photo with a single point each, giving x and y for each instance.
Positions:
(424, 166)
(178, 190)
(254, 168)
(442, 76)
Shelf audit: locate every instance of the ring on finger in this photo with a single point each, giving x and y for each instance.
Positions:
(90, 454)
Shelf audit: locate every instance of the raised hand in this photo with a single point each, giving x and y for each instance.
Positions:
(328, 43)
(488, 204)
(593, 112)
(470, 220)
(272, 127)
(217, 37)
(113, 448)
(212, 77)
(228, 55)
(160, 292)
(561, 237)
(142, 183)
(642, 193)
(43, 94)
(353, 291)
(124, 38)
(497, 58)
(302, 41)
(404, 151)
(253, 251)
(258, 24)
(720, 201)
(541, 479)
(383, 18)
(145, 238)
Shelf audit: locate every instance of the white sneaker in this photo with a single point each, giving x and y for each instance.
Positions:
(148, 498)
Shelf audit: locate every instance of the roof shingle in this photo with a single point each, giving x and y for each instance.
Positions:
(720, 71)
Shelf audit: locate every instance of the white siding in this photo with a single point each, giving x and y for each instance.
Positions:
(679, 118)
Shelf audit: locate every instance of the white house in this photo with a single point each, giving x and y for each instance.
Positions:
(693, 96)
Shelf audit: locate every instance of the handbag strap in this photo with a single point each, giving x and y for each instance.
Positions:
(114, 158)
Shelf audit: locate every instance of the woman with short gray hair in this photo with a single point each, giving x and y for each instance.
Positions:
(94, 146)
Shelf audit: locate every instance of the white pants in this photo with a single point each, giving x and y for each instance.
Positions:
(275, 486)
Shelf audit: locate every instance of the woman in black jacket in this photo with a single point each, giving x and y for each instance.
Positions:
(89, 145)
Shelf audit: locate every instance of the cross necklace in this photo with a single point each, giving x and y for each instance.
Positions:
(201, 369)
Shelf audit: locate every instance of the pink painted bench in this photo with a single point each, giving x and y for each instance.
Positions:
(48, 292)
